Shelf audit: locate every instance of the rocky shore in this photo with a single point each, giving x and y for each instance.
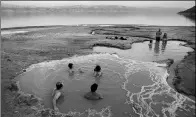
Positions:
(20, 50)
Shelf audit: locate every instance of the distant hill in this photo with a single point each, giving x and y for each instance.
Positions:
(82, 9)
(190, 11)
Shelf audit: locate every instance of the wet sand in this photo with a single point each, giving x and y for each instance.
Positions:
(19, 51)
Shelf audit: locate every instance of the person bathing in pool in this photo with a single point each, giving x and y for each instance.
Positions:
(92, 95)
(71, 71)
(56, 94)
(70, 66)
(97, 71)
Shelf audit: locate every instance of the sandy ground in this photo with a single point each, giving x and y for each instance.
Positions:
(18, 51)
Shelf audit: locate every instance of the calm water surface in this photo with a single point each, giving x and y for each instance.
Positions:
(150, 52)
(18, 20)
(130, 88)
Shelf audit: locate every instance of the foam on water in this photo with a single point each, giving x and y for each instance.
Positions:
(155, 99)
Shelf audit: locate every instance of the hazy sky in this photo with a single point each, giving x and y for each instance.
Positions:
(180, 4)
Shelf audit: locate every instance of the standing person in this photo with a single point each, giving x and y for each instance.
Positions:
(56, 94)
(158, 35)
(92, 95)
(97, 71)
(165, 36)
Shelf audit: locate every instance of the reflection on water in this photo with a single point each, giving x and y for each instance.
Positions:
(190, 18)
(150, 45)
(163, 47)
(150, 51)
(20, 20)
(156, 48)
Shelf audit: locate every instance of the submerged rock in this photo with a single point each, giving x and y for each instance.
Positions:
(169, 62)
(12, 86)
(9, 60)
(122, 38)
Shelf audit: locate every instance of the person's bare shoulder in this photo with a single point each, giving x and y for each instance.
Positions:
(87, 95)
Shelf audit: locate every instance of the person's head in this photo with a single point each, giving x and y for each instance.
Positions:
(59, 85)
(159, 29)
(94, 87)
(70, 65)
(165, 33)
(97, 68)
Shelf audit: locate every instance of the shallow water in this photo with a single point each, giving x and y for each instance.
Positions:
(129, 87)
(146, 52)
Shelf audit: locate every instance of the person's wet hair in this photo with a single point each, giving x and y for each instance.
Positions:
(97, 68)
(94, 87)
(59, 85)
(70, 65)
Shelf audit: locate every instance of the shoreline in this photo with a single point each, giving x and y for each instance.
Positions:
(89, 25)
(10, 58)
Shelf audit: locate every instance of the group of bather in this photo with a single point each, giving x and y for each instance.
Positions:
(158, 37)
(92, 95)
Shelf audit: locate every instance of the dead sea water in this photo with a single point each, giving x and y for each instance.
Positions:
(32, 19)
(129, 87)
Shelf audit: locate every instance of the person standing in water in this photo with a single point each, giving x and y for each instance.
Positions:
(97, 71)
(158, 35)
(150, 45)
(165, 37)
(56, 94)
(92, 95)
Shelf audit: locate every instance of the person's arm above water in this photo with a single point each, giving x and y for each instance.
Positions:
(100, 74)
(54, 105)
(56, 96)
(94, 73)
